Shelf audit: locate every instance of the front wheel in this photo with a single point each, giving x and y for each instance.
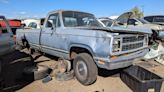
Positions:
(85, 69)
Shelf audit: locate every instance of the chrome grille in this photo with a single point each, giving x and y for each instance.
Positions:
(131, 46)
(132, 39)
(123, 43)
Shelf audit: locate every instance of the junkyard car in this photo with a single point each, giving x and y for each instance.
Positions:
(6, 38)
(127, 20)
(79, 37)
(155, 19)
(33, 23)
(6, 42)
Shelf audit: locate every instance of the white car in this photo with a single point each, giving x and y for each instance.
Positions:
(33, 23)
(113, 24)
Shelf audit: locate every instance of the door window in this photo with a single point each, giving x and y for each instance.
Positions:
(53, 20)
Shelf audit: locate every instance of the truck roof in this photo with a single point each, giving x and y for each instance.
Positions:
(56, 11)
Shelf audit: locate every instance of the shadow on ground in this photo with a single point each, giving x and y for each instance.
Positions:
(109, 73)
(13, 65)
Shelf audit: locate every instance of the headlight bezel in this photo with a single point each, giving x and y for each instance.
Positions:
(116, 45)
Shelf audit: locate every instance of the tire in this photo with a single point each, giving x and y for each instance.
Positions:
(85, 69)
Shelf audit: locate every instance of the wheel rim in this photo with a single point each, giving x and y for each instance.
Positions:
(82, 70)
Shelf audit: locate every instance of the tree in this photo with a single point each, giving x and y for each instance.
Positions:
(137, 12)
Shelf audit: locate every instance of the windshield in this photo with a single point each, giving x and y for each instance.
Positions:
(79, 19)
(159, 19)
(143, 21)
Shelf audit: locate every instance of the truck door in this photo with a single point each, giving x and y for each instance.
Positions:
(50, 36)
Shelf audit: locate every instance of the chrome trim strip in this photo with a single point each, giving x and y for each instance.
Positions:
(55, 49)
(51, 48)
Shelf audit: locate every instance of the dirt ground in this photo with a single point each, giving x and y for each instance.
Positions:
(107, 81)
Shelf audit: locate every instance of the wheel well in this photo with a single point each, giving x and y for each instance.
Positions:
(76, 50)
(154, 34)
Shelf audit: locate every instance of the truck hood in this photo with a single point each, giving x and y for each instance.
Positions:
(113, 29)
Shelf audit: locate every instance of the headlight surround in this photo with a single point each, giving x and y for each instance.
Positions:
(116, 45)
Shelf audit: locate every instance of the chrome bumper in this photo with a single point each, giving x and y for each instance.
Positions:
(121, 61)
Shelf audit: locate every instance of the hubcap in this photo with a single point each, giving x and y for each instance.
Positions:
(81, 70)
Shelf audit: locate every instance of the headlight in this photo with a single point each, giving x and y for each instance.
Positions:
(116, 45)
(115, 42)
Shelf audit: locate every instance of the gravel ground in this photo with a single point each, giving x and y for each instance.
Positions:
(107, 81)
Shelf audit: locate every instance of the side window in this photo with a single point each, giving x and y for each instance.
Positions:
(150, 19)
(70, 21)
(53, 20)
(158, 19)
(131, 21)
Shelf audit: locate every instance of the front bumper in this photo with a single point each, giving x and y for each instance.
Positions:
(120, 61)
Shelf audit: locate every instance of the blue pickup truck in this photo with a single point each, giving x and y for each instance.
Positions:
(79, 37)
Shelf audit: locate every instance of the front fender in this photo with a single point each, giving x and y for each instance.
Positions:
(82, 46)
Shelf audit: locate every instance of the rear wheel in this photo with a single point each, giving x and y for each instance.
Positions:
(85, 69)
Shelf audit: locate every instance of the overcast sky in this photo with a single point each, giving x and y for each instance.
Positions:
(100, 8)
